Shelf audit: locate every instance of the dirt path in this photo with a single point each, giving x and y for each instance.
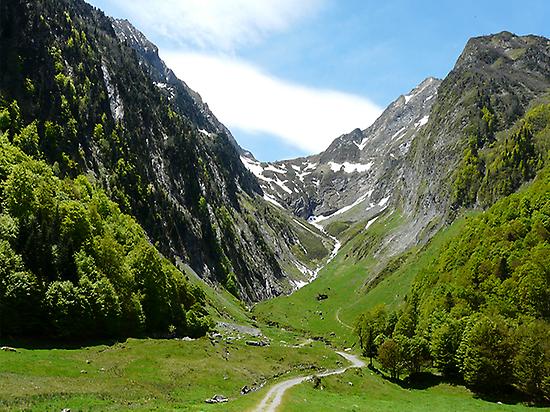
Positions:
(272, 400)
(341, 322)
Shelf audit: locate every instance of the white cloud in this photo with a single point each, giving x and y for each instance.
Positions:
(218, 24)
(244, 97)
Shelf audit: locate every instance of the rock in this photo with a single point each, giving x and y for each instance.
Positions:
(83, 371)
(8, 349)
(244, 390)
(65, 410)
(102, 370)
(256, 343)
(217, 399)
(88, 361)
(322, 296)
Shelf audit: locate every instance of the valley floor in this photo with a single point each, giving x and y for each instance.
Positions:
(145, 375)
(304, 339)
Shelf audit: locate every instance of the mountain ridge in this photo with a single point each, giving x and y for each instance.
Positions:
(167, 162)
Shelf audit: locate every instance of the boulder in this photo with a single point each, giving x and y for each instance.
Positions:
(217, 399)
(256, 343)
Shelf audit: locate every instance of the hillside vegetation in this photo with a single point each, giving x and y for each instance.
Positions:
(72, 265)
(480, 311)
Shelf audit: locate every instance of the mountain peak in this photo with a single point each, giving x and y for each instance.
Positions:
(504, 48)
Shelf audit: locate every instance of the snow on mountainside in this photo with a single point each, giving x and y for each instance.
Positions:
(353, 170)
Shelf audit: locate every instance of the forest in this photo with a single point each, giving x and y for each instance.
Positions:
(72, 265)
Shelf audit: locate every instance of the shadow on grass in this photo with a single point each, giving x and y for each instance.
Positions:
(511, 396)
(42, 343)
(425, 380)
(419, 381)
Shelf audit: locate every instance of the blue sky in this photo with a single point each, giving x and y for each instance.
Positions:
(287, 76)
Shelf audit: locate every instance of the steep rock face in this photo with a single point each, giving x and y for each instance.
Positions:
(357, 168)
(408, 159)
(101, 109)
(187, 101)
(494, 81)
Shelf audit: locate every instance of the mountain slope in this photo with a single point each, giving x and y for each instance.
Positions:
(430, 153)
(495, 80)
(100, 109)
(186, 100)
(354, 168)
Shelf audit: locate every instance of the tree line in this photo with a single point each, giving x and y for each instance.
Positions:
(480, 311)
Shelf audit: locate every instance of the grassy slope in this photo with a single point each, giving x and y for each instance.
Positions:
(345, 277)
(345, 281)
(151, 374)
(221, 305)
(145, 374)
(369, 392)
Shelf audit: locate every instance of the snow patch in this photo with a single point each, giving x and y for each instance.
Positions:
(370, 222)
(254, 166)
(315, 219)
(271, 199)
(431, 97)
(363, 143)
(272, 168)
(350, 167)
(280, 183)
(398, 133)
(383, 202)
(422, 121)
(206, 133)
(302, 175)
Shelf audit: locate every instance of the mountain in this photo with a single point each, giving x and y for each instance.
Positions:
(353, 168)
(495, 81)
(430, 154)
(186, 100)
(105, 105)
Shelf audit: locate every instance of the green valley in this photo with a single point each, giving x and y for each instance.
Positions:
(149, 262)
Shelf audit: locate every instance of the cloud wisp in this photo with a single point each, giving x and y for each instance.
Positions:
(217, 24)
(243, 97)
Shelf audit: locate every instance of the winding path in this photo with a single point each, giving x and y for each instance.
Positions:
(341, 322)
(272, 400)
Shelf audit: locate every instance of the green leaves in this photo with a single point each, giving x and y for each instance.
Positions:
(488, 172)
(486, 352)
(481, 310)
(73, 266)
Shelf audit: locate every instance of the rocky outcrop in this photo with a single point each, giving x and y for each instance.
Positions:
(359, 168)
